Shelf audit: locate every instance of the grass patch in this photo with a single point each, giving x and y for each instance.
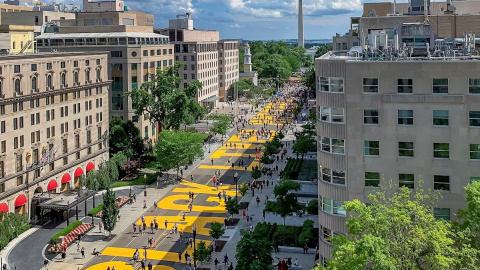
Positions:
(151, 178)
(94, 211)
(66, 231)
(153, 165)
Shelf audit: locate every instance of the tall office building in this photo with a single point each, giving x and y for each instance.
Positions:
(135, 53)
(208, 59)
(394, 119)
(53, 124)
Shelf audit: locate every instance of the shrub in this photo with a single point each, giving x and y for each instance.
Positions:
(66, 230)
(94, 211)
(312, 207)
(11, 225)
(287, 235)
(307, 234)
(269, 206)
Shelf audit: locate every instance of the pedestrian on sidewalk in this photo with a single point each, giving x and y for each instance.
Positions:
(216, 263)
(166, 224)
(225, 259)
(258, 201)
(191, 177)
(134, 226)
(83, 252)
(244, 213)
(154, 206)
(140, 230)
(100, 226)
(212, 161)
(263, 212)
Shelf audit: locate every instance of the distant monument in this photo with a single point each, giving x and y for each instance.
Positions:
(248, 73)
(301, 41)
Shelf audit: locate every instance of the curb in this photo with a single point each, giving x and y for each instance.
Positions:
(15, 242)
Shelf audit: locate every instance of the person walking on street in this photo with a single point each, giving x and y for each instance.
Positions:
(179, 257)
(225, 259)
(134, 227)
(83, 252)
(258, 201)
(216, 263)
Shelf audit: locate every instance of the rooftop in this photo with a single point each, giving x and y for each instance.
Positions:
(100, 35)
(46, 55)
(348, 56)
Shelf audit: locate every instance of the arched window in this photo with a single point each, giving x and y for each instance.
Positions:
(17, 86)
(49, 81)
(87, 75)
(34, 83)
(75, 77)
(62, 79)
(1, 89)
(98, 74)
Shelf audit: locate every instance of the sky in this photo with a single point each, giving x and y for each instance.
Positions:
(255, 19)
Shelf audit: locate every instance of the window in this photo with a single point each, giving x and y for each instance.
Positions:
(474, 179)
(2, 127)
(75, 63)
(16, 68)
(406, 180)
(474, 118)
(440, 118)
(3, 147)
(116, 54)
(441, 150)
(405, 149)
(372, 179)
(440, 86)
(62, 64)
(19, 180)
(18, 163)
(474, 86)
(333, 207)
(372, 148)
(62, 79)
(441, 182)
(49, 81)
(333, 176)
(17, 86)
(145, 53)
(405, 117)
(442, 213)
(332, 115)
(49, 66)
(33, 67)
(335, 146)
(326, 234)
(331, 84)
(370, 85)
(475, 151)
(404, 86)
(370, 116)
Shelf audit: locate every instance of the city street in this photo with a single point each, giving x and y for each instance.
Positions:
(206, 207)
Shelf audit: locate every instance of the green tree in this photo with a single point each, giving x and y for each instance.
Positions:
(221, 125)
(165, 102)
(118, 140)
(256, 173)
(243, 189)
(11, 225)
(109, 211)
(125, 137)
(467, 229)
(397, 230)
(287, 201)
(202, 252)
(216, 230)
(175, 149)
(232, 206)
(303, 144)
(91, 180)
(309, 78)
(323, 50)
(254, 250)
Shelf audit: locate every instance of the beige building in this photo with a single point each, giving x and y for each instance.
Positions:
(4, 8)
(35, 18)
(102, 6)
(404, 120)
(206, 58)
(228, 61)
(16, 39)
(53, 124)
(133, 60)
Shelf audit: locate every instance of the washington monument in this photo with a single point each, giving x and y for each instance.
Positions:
(301, 42)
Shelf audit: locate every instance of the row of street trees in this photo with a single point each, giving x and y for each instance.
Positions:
(398, 230)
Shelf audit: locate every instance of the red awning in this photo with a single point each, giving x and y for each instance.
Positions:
(90, 166)
(78, 172)
(65, 178)
(3, 207)
(21, 200)
(52, 185)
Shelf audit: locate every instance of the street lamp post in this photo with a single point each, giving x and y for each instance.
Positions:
(145, 179)
(194, 245)
(235, 178)
(208, 138)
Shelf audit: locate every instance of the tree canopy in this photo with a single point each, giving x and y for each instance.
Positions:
(254, 250)
(232, 206)
(175, 149)
(397, 230)
(109, 211)
(125, 137)
(287, 201)
(165, 102)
